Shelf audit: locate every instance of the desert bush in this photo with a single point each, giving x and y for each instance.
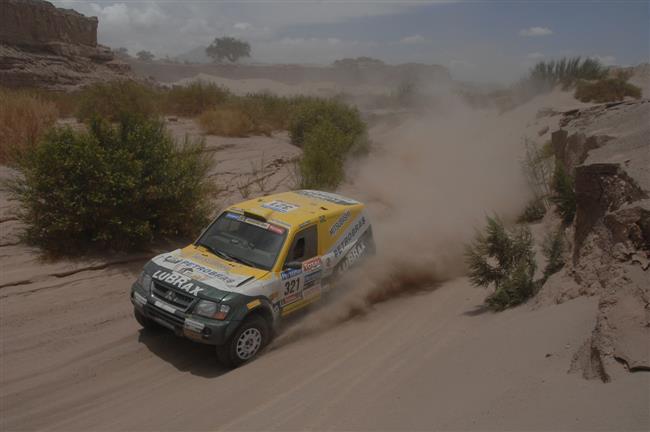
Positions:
(503, 258)
(312, 112)
(116, 187)
(606, 90)
(195, 98)
(564, 196)
(533, 212)
(115, 99)
(24, 117)
(554, 248)
(226, 121)
(322, 163)
(566, 72)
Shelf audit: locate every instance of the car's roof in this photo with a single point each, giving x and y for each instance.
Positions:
(296, 207)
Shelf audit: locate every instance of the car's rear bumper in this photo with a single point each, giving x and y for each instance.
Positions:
(196, 328)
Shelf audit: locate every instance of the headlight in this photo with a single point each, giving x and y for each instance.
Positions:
(145, 281)
(211, 309)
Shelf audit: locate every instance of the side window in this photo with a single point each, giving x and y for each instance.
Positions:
(304, 246)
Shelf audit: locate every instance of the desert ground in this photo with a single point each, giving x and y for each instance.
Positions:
(73, 357)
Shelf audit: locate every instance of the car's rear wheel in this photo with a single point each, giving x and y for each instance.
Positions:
(245, 343)
(145, 322)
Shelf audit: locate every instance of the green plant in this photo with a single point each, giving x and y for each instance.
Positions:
(566, 71)
(564, 196)
(312, 112)
(24, 117)
(606, 90)
(115, 99)
(554, 248)
(228, 48)
(195, 98)
(504, 259)
(116, 187)
(534, 211)
(321, 166)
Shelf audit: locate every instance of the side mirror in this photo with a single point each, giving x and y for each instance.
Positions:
(293, 265)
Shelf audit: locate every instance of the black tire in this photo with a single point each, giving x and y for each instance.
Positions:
(244, 345)
(145, 322)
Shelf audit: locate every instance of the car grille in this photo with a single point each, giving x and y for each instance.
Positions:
(172, 297)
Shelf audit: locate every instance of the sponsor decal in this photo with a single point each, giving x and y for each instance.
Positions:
(328, 196)
(234, 216)
(292, 298)
(322, 219)
(353, 256)
(304, 224)
(311, 264)
(280, 206)
(288, 274)
(255, 303)
(172, 259)
(340, 222)
(202, 273)
(312, 276)
(349, 237)
(177, 280)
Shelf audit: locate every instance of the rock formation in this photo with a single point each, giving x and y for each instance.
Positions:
(49, 47)
(607, 150)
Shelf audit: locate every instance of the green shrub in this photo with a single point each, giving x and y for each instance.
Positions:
(322, 163)
(24, 117)
(534, 211)
(606, 90)
(115, 99)
(504, 259)
(564, 196)
(566, 71)
(312, 112)
(554, 247)
(195, 98)
(116, 187)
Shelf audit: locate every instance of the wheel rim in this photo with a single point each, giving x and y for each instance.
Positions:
(249, 343)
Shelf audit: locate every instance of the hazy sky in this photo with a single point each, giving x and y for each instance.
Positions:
(477, 40)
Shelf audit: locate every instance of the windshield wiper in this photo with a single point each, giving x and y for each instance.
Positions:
(244, 261)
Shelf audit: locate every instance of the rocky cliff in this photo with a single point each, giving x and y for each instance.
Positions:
(49, 47)
(607, 150)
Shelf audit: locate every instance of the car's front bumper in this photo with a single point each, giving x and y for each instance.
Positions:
(194, 327)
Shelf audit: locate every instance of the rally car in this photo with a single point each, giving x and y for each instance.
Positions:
(257, 262)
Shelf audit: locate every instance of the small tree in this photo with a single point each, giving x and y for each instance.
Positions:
(504, 259)
(228, 48)
(145, 56)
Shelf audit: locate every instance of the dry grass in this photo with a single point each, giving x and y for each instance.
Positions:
(226, 121)
(24, 117)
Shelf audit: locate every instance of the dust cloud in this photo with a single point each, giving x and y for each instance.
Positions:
(428, 182)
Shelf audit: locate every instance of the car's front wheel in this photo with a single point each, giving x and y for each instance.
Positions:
(245, 343)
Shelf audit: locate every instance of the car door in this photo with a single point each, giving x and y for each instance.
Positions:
(301, 275)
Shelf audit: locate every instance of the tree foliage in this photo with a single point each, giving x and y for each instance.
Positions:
(146, 56)
(228, 48)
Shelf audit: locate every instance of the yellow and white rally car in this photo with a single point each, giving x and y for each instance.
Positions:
(257, 262)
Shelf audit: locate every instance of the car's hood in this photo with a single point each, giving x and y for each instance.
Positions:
(201, 273)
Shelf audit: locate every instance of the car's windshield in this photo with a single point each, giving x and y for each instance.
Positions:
(235, 237)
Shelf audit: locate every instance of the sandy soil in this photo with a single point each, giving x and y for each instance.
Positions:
(73, 358)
